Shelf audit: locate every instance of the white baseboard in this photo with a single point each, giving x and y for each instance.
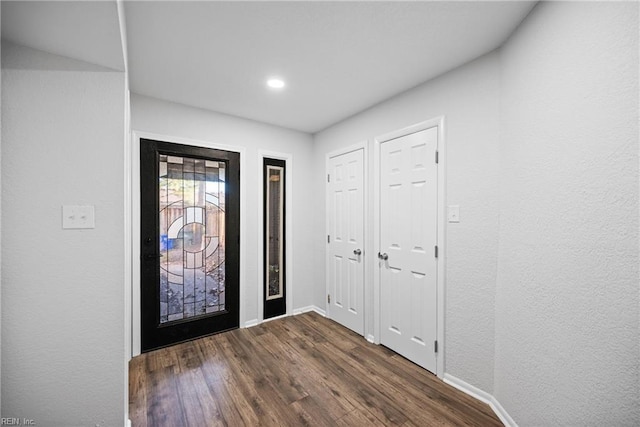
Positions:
(296, 311)
(482, 396)
(503, 414)
(276, 318)
(250, 323)
(309, 308)
(371, 339)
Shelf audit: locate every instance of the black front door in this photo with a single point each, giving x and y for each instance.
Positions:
(190, 242)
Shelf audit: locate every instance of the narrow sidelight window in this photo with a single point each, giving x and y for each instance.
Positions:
(274, 238)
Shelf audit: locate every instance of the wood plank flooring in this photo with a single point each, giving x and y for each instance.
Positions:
(297, 371)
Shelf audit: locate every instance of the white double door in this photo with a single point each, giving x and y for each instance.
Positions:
(407, 263)
(408, 236)
(345, 213)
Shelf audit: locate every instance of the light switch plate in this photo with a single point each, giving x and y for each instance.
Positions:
(76, 216)
(454, 213)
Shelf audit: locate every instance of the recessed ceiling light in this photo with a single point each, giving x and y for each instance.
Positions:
(275, 83)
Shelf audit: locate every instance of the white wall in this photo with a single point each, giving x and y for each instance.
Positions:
(567, 337)
(176, 120)
(468, 98)
(62, 323)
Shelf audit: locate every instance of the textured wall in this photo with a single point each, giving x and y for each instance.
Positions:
(166, 118)
(567, 293)
(62, 290)
(468, 98)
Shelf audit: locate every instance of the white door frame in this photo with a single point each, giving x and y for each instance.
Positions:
(441, 229)
(135, 223)
(288, 256)
(366, 245)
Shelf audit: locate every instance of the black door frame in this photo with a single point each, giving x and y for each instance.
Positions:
(278, 306)
(154, 335)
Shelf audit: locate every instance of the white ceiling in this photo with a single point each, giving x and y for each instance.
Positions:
(337, 58)
(88, 31)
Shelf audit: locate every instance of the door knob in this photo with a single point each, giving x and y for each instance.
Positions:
(357, 252)
(383, 257)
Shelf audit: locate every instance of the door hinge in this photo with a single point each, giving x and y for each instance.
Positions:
(437, 156)
(436, 251)
(435, 346)
(328, 178)
(328, 238)
(328, 299)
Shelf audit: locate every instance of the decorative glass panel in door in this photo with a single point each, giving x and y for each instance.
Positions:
(189, 224)
(274, 238)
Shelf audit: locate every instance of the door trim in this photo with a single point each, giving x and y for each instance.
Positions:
(135, 224)
(288, 207)
(438, 122)
(367, 245)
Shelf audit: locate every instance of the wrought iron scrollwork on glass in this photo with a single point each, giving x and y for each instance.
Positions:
(192, 237)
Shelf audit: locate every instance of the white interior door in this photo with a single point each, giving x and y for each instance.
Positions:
(345, 213)
(408, 238)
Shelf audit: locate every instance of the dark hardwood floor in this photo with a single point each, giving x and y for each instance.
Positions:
(297, 371)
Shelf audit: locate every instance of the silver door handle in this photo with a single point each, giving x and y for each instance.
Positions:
(383, 257)
(357, 252)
